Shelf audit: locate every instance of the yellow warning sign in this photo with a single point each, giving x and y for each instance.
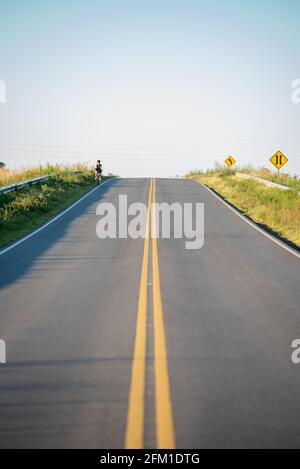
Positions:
(230, 161)
(279, 160)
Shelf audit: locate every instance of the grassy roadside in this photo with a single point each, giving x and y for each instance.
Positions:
(272, 207)
(13, 176)
(25, 209)
(281, 178)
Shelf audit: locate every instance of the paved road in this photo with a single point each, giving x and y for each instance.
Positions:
(69, 304)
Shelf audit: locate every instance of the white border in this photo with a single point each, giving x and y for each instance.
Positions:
(51, 221)
(251, 223)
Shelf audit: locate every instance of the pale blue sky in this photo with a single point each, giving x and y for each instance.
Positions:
(151, 87)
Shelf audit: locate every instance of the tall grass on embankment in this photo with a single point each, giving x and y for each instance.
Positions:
(274, 208)
(281, 178)
(14, 176)
(24, 209)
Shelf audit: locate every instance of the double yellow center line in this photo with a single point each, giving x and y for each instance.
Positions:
(165, 436)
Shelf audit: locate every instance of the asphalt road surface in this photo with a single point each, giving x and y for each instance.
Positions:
(139, 342)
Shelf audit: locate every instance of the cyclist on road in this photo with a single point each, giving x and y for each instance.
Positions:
(98, 172)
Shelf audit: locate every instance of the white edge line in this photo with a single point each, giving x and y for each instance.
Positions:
(251, 223)
(51, 221)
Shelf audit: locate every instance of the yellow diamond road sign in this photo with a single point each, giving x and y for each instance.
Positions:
(230, 161)
(279, 160)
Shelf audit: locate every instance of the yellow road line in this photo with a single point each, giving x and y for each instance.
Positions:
(165, 434)
(135, 418)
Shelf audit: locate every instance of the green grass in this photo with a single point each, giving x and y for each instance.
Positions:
(272, 207)
(13, 176)
(293, 182)
(24, 209)
(282, 178)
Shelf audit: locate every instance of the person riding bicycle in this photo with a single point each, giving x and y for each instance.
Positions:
(98, 171)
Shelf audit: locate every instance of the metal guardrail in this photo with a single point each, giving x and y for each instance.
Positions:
(266, 182)
(28, 182)
(19, 185)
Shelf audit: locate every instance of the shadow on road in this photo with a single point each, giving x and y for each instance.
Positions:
(15, 263)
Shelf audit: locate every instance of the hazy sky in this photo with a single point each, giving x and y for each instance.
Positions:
(151, 87)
